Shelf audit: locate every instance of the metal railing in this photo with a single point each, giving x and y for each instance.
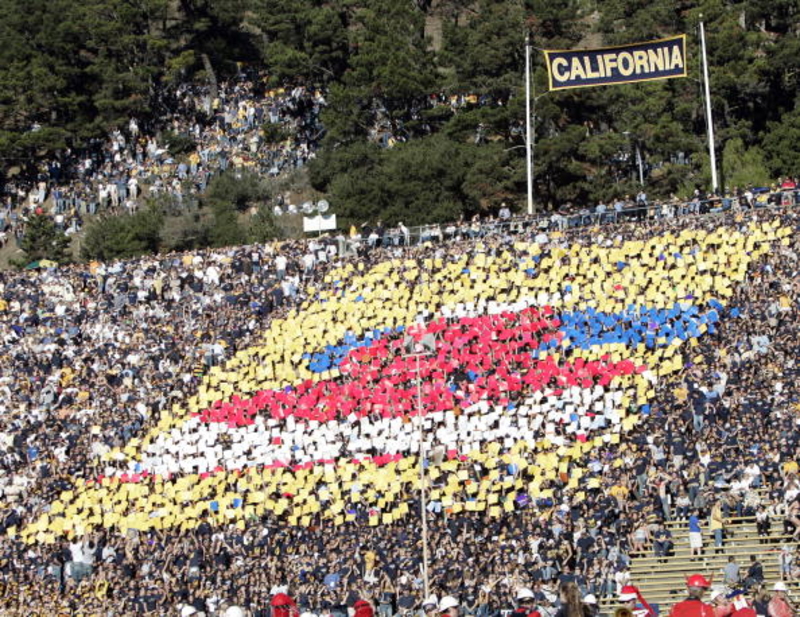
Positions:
(562, 221)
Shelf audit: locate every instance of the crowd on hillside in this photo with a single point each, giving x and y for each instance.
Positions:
(247, 125)
(90, 356)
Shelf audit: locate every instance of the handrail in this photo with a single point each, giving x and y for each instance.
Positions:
(558, 221)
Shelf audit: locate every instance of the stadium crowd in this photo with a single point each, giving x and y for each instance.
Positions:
(91, 357)
(247, 125)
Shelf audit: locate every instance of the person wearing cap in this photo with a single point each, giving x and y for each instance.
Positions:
(693, 606)
(722, 608)
(631, 598)
(363, 609)
(430, 606)
(779, 605)
(526, 604)
(628, 596)
(448, 606)
(590, 607)
(283, 606)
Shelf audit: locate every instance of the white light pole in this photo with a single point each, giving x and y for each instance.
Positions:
(418, 351)
(528, 127)
(422, 491)
(709, 119)
(640, 162)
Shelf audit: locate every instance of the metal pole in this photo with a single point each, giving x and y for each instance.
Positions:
(528, 128)
(709, 118)
(534, 98)
(423, 494)
(639, 161)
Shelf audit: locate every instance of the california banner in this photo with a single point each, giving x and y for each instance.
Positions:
(649, 61)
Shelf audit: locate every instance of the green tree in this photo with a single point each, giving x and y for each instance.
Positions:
(70, 71)
(423, 181)
(228, 195)
(122, 237)
(187, 231)
(742, 165)
(486, 52)
(302, 39)
(390, 69)
(263, 227)
(225, 228)
(44, 240)
(214, 30)
(780, 144)
(240, 188)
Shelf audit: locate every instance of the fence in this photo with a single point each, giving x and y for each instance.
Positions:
(586, 218)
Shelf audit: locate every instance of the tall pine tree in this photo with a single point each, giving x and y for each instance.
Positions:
(44, 240)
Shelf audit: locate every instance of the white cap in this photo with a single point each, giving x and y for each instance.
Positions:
(447, 603)
(431, 600)
(589, 599)
(716, 592)
(187, 610)
(779, 586)
(233, 611)
(524, 593)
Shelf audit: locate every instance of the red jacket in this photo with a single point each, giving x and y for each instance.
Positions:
(692, 607)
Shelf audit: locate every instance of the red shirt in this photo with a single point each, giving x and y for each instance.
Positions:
(692, 607)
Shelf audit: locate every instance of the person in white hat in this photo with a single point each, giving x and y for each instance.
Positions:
(718, 600)
(234, 611)
(448, 606)
(780, 605)
(430, 605)
(590, 604)
(526, 604)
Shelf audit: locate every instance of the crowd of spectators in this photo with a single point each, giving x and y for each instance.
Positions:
(92, 355)
(245, 124)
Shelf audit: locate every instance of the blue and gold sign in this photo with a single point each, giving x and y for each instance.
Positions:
(661, 59)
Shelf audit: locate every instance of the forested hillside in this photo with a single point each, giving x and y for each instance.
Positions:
(425, 114)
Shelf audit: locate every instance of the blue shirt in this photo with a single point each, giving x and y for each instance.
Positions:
(694, 524)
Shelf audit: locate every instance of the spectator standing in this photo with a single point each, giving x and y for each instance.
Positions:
(695, 535)
(405, 233)
(717, 525)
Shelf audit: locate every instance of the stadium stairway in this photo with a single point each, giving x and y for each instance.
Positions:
(662, 580)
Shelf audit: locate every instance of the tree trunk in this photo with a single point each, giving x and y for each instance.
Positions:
(212, 76)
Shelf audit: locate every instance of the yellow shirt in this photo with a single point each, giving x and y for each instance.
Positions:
(619, 491)
(717, 521)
